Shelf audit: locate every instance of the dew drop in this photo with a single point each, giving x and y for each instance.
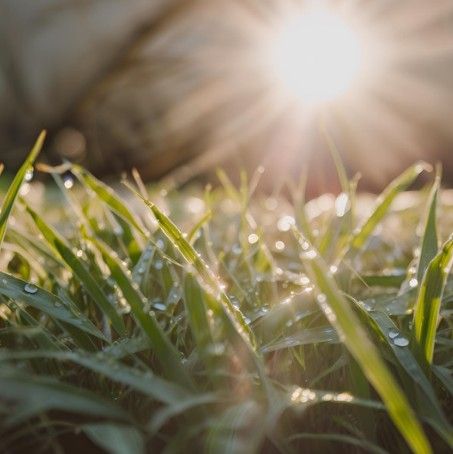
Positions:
(321, 298)
(401, 341)
(68, 183)
(279, 245)
(393, 333)
(30, 288)
(413, 283)
(118, 230)
(160, 306)
(236, 249)
(29, 174)
(253, 238)
(158, 265)
(310, 254)
(285, 223)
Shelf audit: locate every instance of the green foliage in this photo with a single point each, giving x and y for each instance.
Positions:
(127, 333)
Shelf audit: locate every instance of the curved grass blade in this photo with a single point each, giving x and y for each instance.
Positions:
(339, 313)
(46, 302)
(429, 405)
(196, 228)
(115, 438)
(197, 313)
(430, 242)
(14, 188)
(147, 383)
(305, 337)
(383, 203)
(78, 268)
(203, 271)
(108, 196)
(427, 306)
(165, 351)
(34, 395)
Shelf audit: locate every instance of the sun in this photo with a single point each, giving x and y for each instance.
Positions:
(315, 56)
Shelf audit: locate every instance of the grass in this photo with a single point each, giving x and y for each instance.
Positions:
(271, 326)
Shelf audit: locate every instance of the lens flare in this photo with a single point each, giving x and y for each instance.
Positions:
(316, 56)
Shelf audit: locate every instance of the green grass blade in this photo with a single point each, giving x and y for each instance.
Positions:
(14, 188)
(76, 265)
(35, 395)
(341, 316)
(430, 242)
(429, 405)
(427, 306)
(108, 196)
(196, 228)
(165, 351)
(306, 337)
(115, 438)
(197, 313)
(178, 240)
(46, 302)
(147, 383)
(383, 204)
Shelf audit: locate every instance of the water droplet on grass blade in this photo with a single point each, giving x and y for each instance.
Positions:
(253, 238)
(30, 288)
(158, 265)
(29, 174)
(401, 341)
(159, 306)
(236, 249)
(413, 283)
(68, 183)
(393, 333)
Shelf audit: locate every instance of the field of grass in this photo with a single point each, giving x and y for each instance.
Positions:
(269, 325)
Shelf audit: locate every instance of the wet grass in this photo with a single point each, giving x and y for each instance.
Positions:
(221, 320)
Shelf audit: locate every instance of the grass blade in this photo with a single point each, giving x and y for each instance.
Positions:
(427, 306)
(108, 196)
(116, 438)
(14, 188)
(165, 351)
(35, 394)
(46, 302)
(427, 401)
(76, 265)
(203, 271)
(430, 242)
(383, 203)
(341, 316)
(144, 381)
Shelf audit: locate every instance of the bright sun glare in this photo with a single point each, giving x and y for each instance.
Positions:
(316, 56)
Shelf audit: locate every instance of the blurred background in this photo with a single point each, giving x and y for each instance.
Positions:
(177, 87)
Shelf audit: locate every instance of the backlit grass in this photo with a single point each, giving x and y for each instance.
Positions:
(222, 320)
